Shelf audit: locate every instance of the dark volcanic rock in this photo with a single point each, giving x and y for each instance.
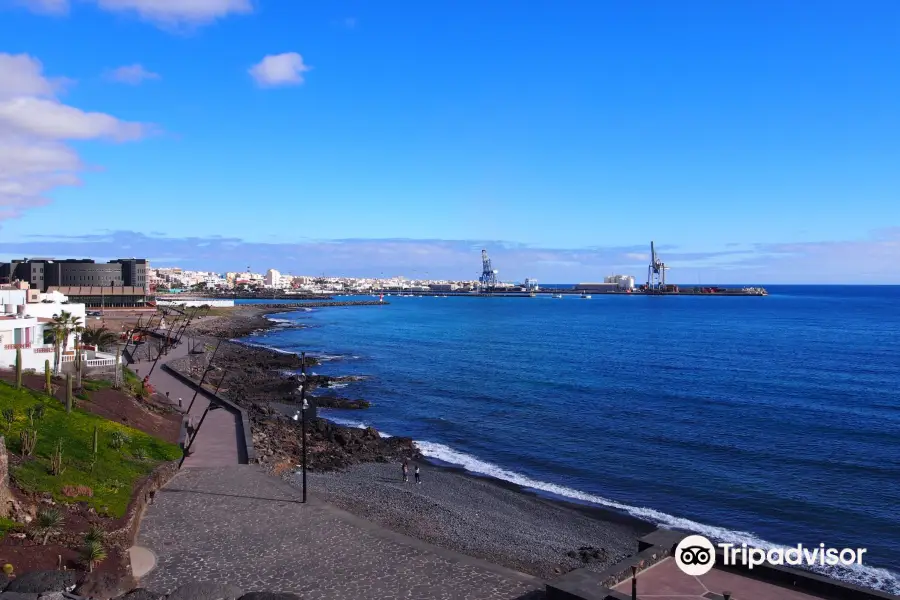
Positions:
(38, 582)
(206, 591)
(589, 554)
(335, 402)
(329, 446)
(103, 585)
(141, 594)
(17, 596)
(269, 596)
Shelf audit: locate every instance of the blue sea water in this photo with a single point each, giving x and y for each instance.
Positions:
(769, 420)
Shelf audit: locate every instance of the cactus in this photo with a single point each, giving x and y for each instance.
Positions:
(48, 382)
(56, 460)
(28, 441)
(29, 413)
(38, 411)
(68, 392)
(9, 415)
(96, 444)
(118, 381)
(18, 368)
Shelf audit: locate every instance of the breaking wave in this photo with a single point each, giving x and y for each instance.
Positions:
(873, 577)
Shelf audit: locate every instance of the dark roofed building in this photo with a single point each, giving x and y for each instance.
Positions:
(104, 296)
(43, 273)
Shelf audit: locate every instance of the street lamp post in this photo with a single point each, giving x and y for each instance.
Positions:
(302, 417)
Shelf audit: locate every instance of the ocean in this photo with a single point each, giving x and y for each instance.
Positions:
(767, 421)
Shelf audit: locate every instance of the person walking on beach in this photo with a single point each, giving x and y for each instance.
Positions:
(418, 477)
(405, 471)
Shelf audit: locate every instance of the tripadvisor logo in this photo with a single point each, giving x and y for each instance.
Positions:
(696, 555)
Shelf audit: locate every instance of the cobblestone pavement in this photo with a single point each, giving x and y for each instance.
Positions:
(218, 442)
(241, 526)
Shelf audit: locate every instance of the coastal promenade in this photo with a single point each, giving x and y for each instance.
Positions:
(241, 526)
(218, 441)
(223, 521)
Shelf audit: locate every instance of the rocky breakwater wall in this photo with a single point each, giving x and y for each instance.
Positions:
(63, 585)
(314, 304)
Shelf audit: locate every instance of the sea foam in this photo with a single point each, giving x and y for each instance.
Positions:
(863, 575)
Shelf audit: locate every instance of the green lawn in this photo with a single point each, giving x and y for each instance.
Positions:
(113, 473)
(6, 526)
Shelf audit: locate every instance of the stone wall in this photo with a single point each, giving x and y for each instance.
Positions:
(125, 536)
(5, 494)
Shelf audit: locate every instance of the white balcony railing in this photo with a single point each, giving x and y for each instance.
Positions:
(16, 346)
(101, 362)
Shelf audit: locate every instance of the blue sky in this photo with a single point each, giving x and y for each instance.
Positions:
(754, 141)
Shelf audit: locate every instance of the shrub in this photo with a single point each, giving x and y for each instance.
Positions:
(48, 522)
(118, 439)
(74, 491)
(9, 415)
(140, 454)
(95, 534)
(93, 553)
(39, 411)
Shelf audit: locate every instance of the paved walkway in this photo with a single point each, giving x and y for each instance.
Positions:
(239, 525)
(665, 581)
(218, 442)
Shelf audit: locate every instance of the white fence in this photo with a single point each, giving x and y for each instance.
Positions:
(100, 362)
(106, 361)
(189, 302)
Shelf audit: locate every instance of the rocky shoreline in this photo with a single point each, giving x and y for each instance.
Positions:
(265, 383)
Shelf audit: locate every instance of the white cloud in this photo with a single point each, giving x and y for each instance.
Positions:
(279, 69)
(160, 12)
(132, 74)
(33, 126)
(22, 76)
(53, 120)
(47, 7)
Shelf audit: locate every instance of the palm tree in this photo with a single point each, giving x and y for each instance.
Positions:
(79, 360)
(93, 553)
(61, 327)
(101, 337)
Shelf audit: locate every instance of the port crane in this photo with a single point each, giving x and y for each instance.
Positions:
(656, 272)
(488, 279)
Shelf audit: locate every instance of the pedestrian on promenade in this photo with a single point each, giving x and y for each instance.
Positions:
(405, 471)
(418, 477)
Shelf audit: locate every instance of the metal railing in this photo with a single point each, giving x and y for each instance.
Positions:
(16, 346)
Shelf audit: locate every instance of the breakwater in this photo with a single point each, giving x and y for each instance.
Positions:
(302, 304)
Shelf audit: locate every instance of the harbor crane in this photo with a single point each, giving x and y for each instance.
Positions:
(488, 279)
(656, 272)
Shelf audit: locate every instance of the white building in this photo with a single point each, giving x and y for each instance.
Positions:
(273, 278)
(623, 282)
(25, 314)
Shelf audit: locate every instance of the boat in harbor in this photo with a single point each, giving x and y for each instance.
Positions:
(585, 296)
(557, 296)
